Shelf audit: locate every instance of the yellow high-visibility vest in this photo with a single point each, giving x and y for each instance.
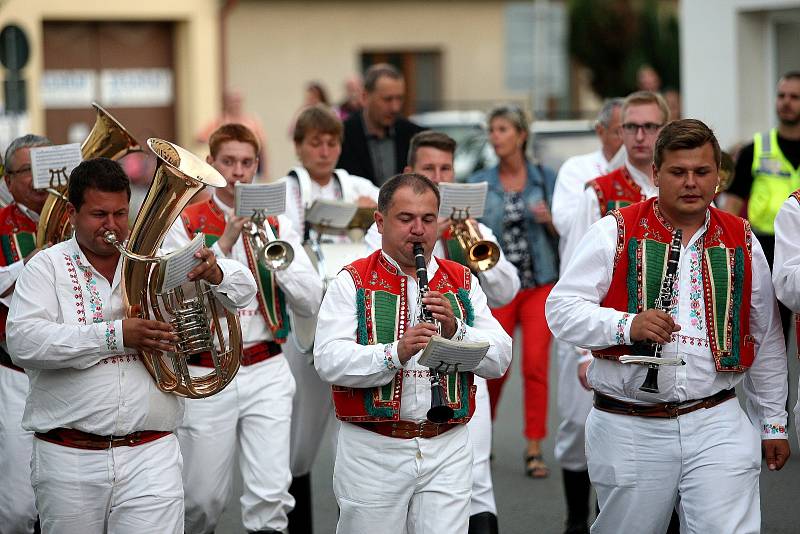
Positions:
(774, 179)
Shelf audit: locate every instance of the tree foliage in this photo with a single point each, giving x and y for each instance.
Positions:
(613, 38)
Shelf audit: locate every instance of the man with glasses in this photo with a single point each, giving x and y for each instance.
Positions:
(18, 237)
(644, 113)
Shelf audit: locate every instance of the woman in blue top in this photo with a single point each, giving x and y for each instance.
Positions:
(518, 212)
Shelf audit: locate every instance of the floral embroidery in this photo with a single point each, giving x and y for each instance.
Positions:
(122, 358)
(623, 321)
(689, 340)
(111, 336)
(80, 309)
(695, 288)
(773, 428)
(95, 302)
(387, 357)
(417, 373)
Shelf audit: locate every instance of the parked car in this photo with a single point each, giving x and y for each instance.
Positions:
(553, 142)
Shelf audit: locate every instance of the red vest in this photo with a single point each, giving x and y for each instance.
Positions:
(382, 318)
(615, 190)
(206, 217)
(17, 240)
(643, 239)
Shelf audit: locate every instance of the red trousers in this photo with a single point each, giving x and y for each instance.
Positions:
(527, 311)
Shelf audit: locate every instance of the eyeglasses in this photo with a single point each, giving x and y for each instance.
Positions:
(23, 170)
(650, 128)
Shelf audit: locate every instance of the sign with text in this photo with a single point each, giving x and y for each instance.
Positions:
(136, 87)
(67, 89)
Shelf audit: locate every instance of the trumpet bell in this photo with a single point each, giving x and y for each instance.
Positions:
(276, 255)
(483, 255)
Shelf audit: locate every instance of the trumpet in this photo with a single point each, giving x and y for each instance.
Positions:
(272, 253)
(480, 254)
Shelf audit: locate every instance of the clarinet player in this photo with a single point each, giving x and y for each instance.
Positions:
(395, 469)
(689, 443)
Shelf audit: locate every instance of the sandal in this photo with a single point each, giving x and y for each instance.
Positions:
(535, 466)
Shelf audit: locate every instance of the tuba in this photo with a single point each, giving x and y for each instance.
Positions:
(480, 254)
(108, 139)
(178, 177)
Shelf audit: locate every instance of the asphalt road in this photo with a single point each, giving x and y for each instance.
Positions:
(527, 506)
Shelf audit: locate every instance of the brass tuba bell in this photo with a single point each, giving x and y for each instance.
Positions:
(480, 254)
(178, 177)
(108, 139)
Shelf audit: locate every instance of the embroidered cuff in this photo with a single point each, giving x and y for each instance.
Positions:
(773, 431)
(622, 334)
(461, 330)
(112, 333)
(390, 358)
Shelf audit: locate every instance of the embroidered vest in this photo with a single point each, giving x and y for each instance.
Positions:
(643, 238)
(206, 217)
(452, 250)
(17, 240)
(382, 311)
(616, 190)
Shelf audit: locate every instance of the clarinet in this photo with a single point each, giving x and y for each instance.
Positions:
(663, 303)
(439, 412)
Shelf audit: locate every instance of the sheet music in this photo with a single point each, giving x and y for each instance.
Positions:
(463, 198)
(453, 356)
(253, 197)
(176, 265)
(331, 213)
(54, 164)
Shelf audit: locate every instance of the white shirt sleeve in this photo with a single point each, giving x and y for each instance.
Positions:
(365, 188)
(294, 203)
(573, 308)
(300, 281)
(501, 282)
(765, 382)
(584, 216)
(237, 288)
(8, 277)
(569, 187)
(486, 328)
(786, 267)
(338, 358)
(37, 339)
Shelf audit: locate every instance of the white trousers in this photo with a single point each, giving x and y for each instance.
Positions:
(17, 503)
(707, 461)
(312, 410)
(480, 434)
(574, 403)
(392, 485)
(123, 490)
(252, 414)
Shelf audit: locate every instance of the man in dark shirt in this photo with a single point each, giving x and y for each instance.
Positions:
(768, 170)
(376, 139)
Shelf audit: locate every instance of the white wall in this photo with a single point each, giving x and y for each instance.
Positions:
(728, 64)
